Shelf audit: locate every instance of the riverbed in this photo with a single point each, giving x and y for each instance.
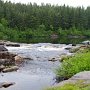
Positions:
(37, 72)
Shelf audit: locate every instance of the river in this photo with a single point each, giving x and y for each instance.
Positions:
(37, 73)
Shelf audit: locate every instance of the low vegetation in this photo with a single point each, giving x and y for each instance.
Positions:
(69, 86)
(77, 63)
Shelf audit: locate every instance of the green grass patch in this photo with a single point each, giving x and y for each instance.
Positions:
(79, 62)
(79, 85)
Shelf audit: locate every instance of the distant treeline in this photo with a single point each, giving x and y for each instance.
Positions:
(44, 18)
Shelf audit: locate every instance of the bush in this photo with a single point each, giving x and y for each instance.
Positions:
(80, 62)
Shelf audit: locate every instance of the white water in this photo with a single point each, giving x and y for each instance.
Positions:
(37, 73)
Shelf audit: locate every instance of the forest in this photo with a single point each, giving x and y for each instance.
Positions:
(18, 21)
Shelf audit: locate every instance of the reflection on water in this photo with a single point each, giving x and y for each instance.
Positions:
(63, 40)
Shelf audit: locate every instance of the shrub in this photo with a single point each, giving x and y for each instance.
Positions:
(80, 62)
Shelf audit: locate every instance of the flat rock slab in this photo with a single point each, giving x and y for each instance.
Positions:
(82, 76)
(13, 68)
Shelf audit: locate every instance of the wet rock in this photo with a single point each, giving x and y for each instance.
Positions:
(86, 42)
(27, 58)
(7, 58)
(52, 59)
(6, 84)
(7, 62)
(2, 48)
(74, 49)
(2, 67)
(2, 42)
(7, 55)
(10, 69)
(68, 47)
(13, 44)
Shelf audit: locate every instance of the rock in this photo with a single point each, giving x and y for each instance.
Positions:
(85, 75)
(6, 84)
(74, 49)
(27, 58)
(7, 62)
(52, 59)
(68, 47)
(13, 44)
(2, 42)
(18, 59)
(13, 68)
(64, 57)
(86, 42)
(7, 58)
(2, 67)
(2, 48)
(82, 76)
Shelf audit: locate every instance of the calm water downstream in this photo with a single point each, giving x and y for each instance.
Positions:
(38, 73)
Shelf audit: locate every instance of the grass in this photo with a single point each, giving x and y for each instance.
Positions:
(79, 62)
(69, 86)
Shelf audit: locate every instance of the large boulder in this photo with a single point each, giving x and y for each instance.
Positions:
(82, 76)
(2, 48)
(11, 44)
(86, 42)
(7, 58)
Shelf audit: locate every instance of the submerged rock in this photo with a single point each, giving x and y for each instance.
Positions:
(52, 59)
(13, 44)
(6, 84)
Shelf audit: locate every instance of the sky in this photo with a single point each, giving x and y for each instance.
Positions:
(74, 3)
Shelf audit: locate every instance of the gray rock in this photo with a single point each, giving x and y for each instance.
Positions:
(13, 68)
(13, 44)
(86, 42)
(6, 84)
(2, 48)
(82, 76)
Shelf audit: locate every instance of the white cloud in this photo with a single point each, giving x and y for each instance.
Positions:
(84, 3)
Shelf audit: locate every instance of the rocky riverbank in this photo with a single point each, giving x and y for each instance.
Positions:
(39, 62)
(8, 61)
(78, 64)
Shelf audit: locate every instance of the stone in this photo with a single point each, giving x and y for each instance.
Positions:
(13, 44)
(18, 59)
(2, 67)
(2, 48)
(83, 77)
(10, 69)
(86, 42)
(74, 49)
(7, 58)
(6, 84)
(52, 59)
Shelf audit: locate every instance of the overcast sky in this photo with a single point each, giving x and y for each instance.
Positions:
(84, 3)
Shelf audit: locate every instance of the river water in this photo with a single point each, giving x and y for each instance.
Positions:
(38, 73)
